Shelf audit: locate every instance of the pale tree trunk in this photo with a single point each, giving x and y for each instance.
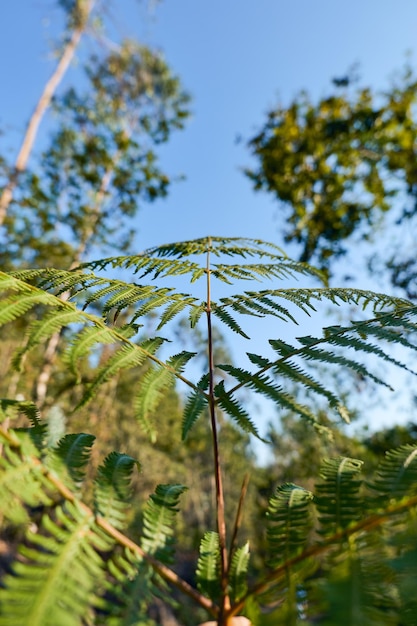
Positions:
(42, 105)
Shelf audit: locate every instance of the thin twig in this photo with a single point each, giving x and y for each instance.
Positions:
(239, 514)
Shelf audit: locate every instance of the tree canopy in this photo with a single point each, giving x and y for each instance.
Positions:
(339, 164)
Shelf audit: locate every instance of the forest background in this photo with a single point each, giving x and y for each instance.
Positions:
(236, 65)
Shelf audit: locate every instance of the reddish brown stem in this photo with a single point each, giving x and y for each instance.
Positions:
(220, 507)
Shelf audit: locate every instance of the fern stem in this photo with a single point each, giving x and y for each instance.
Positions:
(220, 508)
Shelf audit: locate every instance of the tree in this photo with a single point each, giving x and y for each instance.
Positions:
(100, 165)
(78, 13)
(95, 569)
(338, 166)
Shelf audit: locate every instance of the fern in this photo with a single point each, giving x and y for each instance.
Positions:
(61, 569)
(333, 556)
(112, 492)
(238, 574)
(70, 457)
(158, 518)
(22, 483)
(338, 500)
(154, 384)
(208, 565)
(235, 410)
(289, 522)
(196, 404)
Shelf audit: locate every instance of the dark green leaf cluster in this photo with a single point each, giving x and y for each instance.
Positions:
(338, 164)
(73, 565)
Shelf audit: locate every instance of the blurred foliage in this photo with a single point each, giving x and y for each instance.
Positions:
(338, 166)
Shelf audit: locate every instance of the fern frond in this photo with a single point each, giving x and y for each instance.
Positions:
(196, 403)
(22, 482)
(153, 385)
(335, 337)
(265, 386)
(326, 357)
(289, 522)
(82, 344)
(56, 581)
(296, 374)
(158, 521)
(225, 317)
(229, 246)
(128, 593)
(113, 488)
(23, 300)
(282, 268)
(12, 408)
(175, 308)
(234, 409)
(396, 476)
(208, 565)
(70, 457)
(147, 264)
(337, 495)
(195, 313)
(126, 357)
(252, 303)
(239, 572)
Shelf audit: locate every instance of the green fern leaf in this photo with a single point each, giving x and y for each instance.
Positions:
(174, 309)
(41, 330)
(295, 373)
(153, 386)
(127, 356)
(83, 343)
(324, 356)
(233, 408)
(113, 488)
(60, 571)
(337, 496)
(70, 457)
(195, 405)
(259, 360)
(265, 386)
(396, 476)
(335, 337)
(158, 521)
(208, 566)
(129, 593)
(195, 314)
(239, 572)
(13, 408)
(289, 522)
(22, 482)
(25, 299)
(227, 319)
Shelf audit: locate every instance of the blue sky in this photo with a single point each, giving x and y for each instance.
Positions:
(237, 59)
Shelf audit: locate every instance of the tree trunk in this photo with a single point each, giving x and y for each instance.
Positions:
(36, 118)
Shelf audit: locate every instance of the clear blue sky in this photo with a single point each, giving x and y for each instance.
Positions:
(236, 58)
